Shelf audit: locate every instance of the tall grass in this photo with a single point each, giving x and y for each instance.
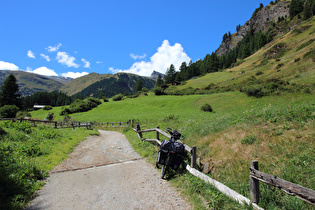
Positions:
(27, 154)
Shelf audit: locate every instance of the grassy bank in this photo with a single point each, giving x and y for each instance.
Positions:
(27, 155)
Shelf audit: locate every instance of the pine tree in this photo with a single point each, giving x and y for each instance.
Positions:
(139, 85)
(9, 92)
(296, 6)
(307, 11)
(159, 82)
(170, 75)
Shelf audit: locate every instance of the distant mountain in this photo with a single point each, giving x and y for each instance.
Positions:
(155, 75)
(78, 84)
(112, 84)
(30, 83)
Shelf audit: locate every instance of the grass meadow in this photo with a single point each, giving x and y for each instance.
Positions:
(276, 130)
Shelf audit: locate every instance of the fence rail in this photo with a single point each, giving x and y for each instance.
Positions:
(56, 124)
(192, 150)
(296, 190)
(118, 124)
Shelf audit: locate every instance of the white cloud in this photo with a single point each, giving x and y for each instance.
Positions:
(43, 71)
(30, 54)
(160, 61)
(67, 60)
(8, 66)
(86, 63)
(135, 57)
(74, 74)
(45, 56)
(99, 62)
(53, 49)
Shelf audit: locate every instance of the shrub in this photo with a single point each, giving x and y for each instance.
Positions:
(47, 107)
(249, 140)
(23, 114)
(206, 108)
(8, 111)
(255, 90)
(144, 89)
(259, 73)
(65, 111)
(158, 91)
(2, 132)
(118, 97)
(50, 116)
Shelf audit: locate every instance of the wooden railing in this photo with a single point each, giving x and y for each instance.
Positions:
(190, 168)
(56, 124)
(296, 190)
(117, 124)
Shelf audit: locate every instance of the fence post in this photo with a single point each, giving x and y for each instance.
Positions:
(254, 184)
(138, 129)
(193, 156)
(157, 133)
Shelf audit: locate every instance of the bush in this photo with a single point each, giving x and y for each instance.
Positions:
(81, 106)
(118, 97)
(158, 91)
(23, 114)
(255, 90)
(48, 107)
(206, 108)
(259, 73)
(50, 116)
(2, 132)
(249, 140)
(8, 111)
(65, 111)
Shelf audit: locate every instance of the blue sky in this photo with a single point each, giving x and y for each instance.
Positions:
(73, 38)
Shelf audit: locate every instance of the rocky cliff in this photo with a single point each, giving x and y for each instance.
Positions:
(261, 20)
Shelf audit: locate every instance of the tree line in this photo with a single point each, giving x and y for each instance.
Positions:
(252, 42)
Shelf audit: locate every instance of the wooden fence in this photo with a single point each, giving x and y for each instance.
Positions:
(296, 190)
(190, 168)
(55, 123)
(117, 124)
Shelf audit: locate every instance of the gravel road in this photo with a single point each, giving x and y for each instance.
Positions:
(104, 172)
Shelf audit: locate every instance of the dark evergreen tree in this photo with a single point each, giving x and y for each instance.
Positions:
(9, 92)
(159, 82)
(238, 27)
(139, 85)
(307, 11)
(170, 75)
(296, 7)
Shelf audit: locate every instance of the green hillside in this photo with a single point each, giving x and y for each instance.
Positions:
(30, 83)
(289, 58)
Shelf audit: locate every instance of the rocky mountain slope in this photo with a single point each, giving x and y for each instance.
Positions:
(262, 19)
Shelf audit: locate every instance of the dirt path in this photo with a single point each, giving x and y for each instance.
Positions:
(104, 172)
